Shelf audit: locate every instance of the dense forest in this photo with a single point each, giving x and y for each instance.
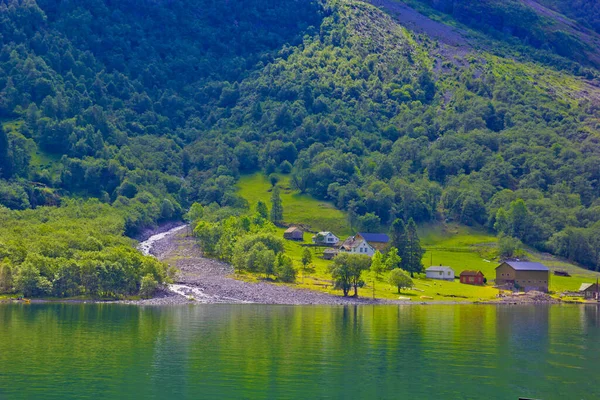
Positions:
(144, 107)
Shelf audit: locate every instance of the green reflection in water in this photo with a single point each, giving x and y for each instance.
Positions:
(255, 351)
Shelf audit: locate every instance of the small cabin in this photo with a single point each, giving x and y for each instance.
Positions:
(329, 254)
(472, 277)
(325, 239)
(589, 290)
(293, 233)
(441, 273)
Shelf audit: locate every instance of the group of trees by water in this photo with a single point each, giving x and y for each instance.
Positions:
(154, 106)
(77, 249)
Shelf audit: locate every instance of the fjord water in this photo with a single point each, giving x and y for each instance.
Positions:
(66, 351)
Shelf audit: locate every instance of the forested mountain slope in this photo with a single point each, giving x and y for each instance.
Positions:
(150, 105)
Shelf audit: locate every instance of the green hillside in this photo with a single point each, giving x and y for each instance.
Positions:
(458, 246)
(484, 114)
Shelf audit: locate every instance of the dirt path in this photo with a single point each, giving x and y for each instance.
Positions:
(209, 281)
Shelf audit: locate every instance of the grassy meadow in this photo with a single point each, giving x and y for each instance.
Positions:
(453, 245)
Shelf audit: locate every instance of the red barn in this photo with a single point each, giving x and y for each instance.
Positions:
(471, 277)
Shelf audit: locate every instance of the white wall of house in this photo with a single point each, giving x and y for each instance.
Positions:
(445, 274)
(331, 239)
(363, 248)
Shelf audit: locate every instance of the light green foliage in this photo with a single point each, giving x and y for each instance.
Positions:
(76, 249)
(346, 271)
(392, 259)
(509, 247)
(306, 257)
(399, 279)
(378, 266)
(285, 268)
(148, 286)
(195, 213)
(262, 210)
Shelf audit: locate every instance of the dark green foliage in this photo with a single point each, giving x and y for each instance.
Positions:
(412, 255)
(151, 106)
(276, 206)
(522, 20)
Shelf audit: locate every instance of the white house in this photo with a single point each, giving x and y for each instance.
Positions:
(357, 245)
(325, 238)
(443, 273)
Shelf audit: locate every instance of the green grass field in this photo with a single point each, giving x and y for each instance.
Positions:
(453, 245)
(297, 208)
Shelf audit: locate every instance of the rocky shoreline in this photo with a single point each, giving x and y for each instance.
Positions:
(207, 281)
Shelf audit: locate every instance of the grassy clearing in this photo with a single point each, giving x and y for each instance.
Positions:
(297, 208)
(453, 245)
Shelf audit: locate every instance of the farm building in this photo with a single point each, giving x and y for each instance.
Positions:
(441, 272)
(293, 233)
(357, 245)
(325, 239)
(522, 275)
(472, 277)
(589, 290)
(377, 240)
(329, 254)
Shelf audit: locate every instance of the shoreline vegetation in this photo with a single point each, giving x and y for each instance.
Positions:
(205, 280)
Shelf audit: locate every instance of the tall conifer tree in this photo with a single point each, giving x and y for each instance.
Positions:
(276, 206)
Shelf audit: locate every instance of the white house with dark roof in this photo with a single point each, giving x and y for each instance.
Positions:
(325, 238)
(357, 245)
(377, 240)
(441, 273)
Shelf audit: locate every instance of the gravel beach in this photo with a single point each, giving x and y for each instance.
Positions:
(204, 280)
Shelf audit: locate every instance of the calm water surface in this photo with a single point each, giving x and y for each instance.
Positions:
(64, 351)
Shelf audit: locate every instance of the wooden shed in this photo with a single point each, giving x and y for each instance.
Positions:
(472, 277)
(329, 254)
(293, 233)
(589, 290)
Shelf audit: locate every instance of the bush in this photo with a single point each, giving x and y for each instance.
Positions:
(509, 247)
(398, 278)
(148, 286)
(285, 270)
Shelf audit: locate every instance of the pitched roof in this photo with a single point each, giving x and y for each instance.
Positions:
(375, 237)
(292, 229)
(526, 266)
(440, 268)
(586, 286)
(471, 273)
(351, 243)
(324, 233)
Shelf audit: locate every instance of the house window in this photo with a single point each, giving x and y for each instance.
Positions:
(448, 273)
(441, 273)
